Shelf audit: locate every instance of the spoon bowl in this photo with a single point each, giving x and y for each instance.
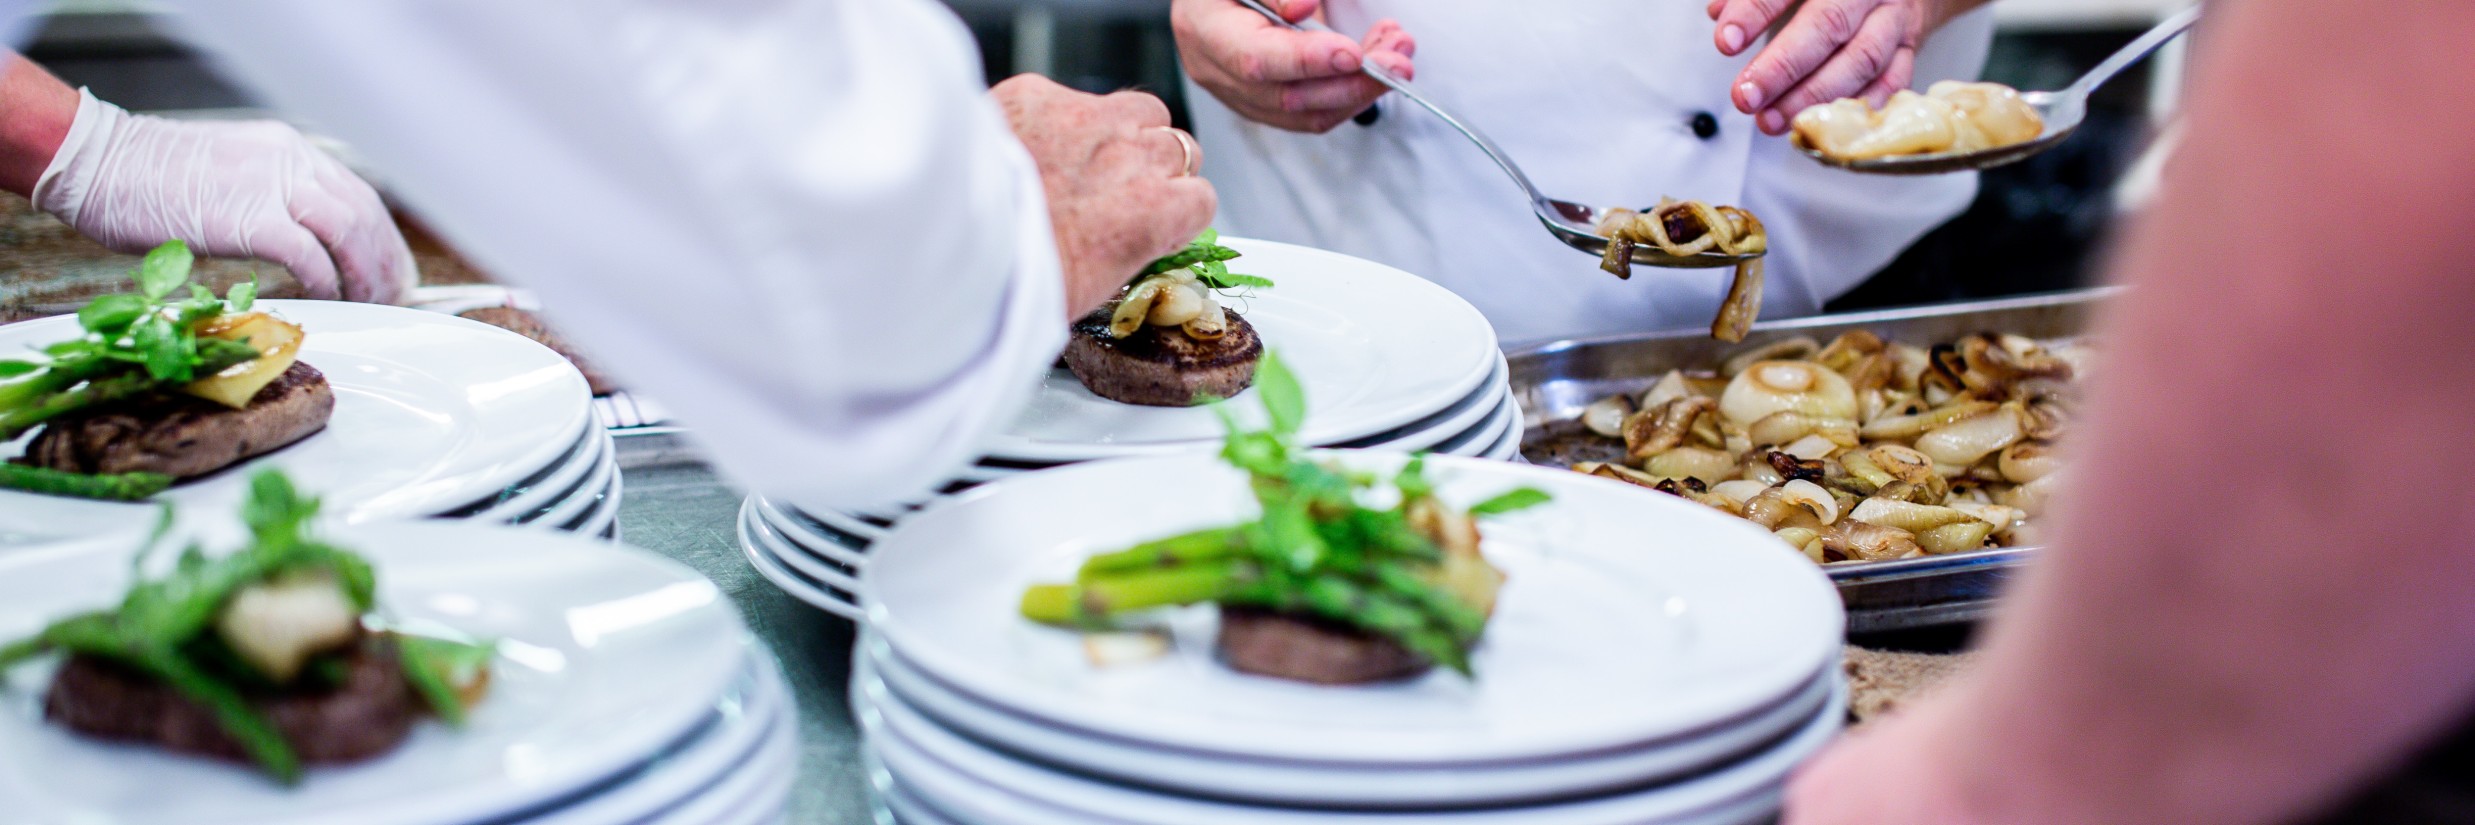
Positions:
(1576, 225)
(2062, 111)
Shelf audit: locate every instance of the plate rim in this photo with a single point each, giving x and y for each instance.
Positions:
(1793, 572)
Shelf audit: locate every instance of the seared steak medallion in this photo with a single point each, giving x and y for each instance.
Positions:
(1162, 366)
(1308, 649)
(531, 326)
(371, 711)
(184, 437)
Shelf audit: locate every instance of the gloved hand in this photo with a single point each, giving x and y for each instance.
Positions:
(230, 189)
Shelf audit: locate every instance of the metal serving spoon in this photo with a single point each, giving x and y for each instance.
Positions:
(2062, 111)
(1574, 224)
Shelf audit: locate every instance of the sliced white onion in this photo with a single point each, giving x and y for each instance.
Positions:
(1968, 440)
(1811, 448)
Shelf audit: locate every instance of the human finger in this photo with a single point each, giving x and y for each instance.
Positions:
(293, 246)
(1252, 49)
(372, 262)
(1742, 20)
(1865, 58)
(1139, 109)
(1808, 41)
(1184, 155)
(1346, 95)
(1901, 73)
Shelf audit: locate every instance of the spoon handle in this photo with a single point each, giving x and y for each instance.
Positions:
(2130, 53)
(1402, 86)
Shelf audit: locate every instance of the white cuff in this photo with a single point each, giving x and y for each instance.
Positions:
(62, 189)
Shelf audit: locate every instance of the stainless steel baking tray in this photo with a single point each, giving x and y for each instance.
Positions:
(1554, 381)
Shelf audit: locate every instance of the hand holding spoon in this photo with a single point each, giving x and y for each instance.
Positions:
(1573, 223)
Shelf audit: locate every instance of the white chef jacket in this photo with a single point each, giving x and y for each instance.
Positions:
(798, 223)
(1596, 99)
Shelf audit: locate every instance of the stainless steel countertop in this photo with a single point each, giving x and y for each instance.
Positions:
(676, 506)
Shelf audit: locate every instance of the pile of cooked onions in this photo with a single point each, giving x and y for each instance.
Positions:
(1951, 116)
(1687, 228)
(1861, 450)
(1176, 298)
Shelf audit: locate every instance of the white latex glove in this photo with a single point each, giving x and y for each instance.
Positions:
(235, 189)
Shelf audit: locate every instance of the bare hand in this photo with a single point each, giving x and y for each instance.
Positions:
(1120, 183)
(1299, 81)
(1831, 49)
(1844, 785)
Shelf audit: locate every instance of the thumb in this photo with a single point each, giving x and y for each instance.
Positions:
(1298, 10)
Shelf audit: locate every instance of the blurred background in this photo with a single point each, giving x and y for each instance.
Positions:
(2036, 226)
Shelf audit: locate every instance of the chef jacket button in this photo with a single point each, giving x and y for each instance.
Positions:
(1705, 126)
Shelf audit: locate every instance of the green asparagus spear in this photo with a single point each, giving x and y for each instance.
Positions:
(1210, 544)
(1103, 596)
(129, 384)
(117, 487)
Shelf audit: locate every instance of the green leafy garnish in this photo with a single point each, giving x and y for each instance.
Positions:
(131, 344)
(164, 627)
(1318, 548)
(1208, 260)
(436, 666)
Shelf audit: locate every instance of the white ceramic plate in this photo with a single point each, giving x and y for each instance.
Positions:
(850, 551)
(885, 680)
(432, 412)
(750, 793)
(603, 521)
(832, 576)
(1509, 449)
(799, 587)
(977, 784)
(1375, 347)
(583, 501)
(608, 655)
(1443, 426)
(1629, 617)
(849, 523)
(526, 500)
(745, 717)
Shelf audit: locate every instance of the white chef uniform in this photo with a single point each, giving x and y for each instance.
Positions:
(799, 223)
(1598, 100)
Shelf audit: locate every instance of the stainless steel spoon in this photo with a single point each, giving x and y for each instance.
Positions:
(2062, 110)
(1574, 224)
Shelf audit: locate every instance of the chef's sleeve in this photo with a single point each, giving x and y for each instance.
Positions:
(799, 224)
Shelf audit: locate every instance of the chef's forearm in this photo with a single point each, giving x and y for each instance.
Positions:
(36, 110)
(2260, 584)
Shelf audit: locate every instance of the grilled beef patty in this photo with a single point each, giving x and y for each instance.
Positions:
(1310, 649)
(531, 326)
(181, 436)
(368, 714)
(1163, 366)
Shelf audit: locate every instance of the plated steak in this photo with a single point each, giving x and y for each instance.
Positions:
(529, 325)
(1308, 649)
(367, 714)
(1163, 366)
(184, 437)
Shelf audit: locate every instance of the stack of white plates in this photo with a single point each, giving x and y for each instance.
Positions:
(435, 416)
(1649, 661)
(1388, 360)
(627, 690)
